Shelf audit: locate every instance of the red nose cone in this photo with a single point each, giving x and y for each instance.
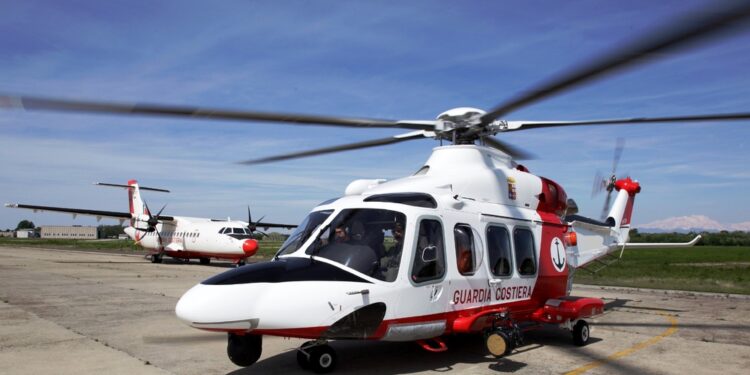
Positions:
(250, 247)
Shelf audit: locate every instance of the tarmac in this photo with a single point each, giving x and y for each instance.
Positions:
(70, 312)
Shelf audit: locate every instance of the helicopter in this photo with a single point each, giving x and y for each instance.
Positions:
(472, 242)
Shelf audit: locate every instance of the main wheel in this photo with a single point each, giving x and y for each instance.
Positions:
(498, 343)
(156, 258)
(205, 260)
(322, 358)
(244, 350)
(303, 354)
(581, 333)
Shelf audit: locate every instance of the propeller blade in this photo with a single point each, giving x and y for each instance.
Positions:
(607, 201)
(160, 211)
(346, 147)
(516, 153)
(619, 146)
(519, 125)
(695, 27)
(33, 103)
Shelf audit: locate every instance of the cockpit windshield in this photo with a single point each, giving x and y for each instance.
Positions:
(367, 240)
(303, 231)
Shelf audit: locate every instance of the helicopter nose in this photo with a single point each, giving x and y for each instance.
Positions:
(208, 306)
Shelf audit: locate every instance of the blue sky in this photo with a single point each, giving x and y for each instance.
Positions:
(383, 59)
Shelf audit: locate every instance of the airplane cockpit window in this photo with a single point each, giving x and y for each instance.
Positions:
(367, 240)
(525, 254)
(303, 231)
(238, 231)
(498, 246)
(222, 230)
(429, 259)
(464, 249)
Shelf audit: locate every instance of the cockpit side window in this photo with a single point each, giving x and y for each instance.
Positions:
(367, 240)
(429, 259)
(498, 246)
(221, 231)
(303, 231)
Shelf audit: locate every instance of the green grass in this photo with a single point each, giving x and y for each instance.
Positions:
(720, 269)
(120, 245)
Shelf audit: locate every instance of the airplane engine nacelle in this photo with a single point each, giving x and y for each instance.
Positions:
(250, 247)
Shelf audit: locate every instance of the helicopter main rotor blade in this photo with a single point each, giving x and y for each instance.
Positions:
(519, 125)
(346, 147)
(690, 29)
(516, 153)
(32, 103)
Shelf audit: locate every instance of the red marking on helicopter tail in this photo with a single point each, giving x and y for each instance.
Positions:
(633, 188)
(250, 247)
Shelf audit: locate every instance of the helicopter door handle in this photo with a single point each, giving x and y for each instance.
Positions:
(363, 292)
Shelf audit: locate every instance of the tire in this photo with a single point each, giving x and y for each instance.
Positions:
(205, 261)
(322, 359)
(498, 344)
(244, 350)
(156, 258)
(581, 333)
(302, 358)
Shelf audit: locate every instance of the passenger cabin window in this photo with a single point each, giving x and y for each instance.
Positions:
(465, 261)
(498, 246)
(429, 259)
(523, 241)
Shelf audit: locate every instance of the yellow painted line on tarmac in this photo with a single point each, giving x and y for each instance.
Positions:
(626, 352)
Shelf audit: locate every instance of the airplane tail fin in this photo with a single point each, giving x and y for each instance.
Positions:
(137, 207)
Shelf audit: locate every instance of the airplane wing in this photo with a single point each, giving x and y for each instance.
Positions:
(79, 211)
(655, 245)
(272, 225)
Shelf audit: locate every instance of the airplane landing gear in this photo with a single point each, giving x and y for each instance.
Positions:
(317, 356)
(156, 258)
(503, 337)
(244, 350)
(205, 261)
(581, 333)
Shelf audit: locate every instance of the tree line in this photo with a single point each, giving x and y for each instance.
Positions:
(723, 238)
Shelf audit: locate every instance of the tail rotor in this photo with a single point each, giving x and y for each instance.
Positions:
(601, 184)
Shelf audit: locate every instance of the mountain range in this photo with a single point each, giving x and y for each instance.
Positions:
(693, 223)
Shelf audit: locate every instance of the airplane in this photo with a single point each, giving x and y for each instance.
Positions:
(179, 237)
(472, 242)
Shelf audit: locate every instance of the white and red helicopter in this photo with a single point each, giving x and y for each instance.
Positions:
(473, 242)
(179, 237)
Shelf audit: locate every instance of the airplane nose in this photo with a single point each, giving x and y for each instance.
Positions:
(250, 247)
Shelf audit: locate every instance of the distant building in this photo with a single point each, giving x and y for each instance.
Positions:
(67, 232)
(25, 233)
(7, 233)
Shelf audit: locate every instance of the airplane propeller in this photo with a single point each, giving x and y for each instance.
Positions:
(152, 222)
(471, 125)
(252, 227)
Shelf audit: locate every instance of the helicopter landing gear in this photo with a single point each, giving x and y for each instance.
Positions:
(503, 337)
(317, 356)
(581, 333)
(244, 350)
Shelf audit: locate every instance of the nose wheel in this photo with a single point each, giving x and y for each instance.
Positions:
(244, 350)
(581, 333)
(317, 356)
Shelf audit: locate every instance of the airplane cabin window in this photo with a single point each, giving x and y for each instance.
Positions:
(429, 259)
(525, 254)
(239, 231)
(464, 240)
(498, 246)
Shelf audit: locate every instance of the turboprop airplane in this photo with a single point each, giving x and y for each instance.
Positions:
(473, 242)
(179, 237)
